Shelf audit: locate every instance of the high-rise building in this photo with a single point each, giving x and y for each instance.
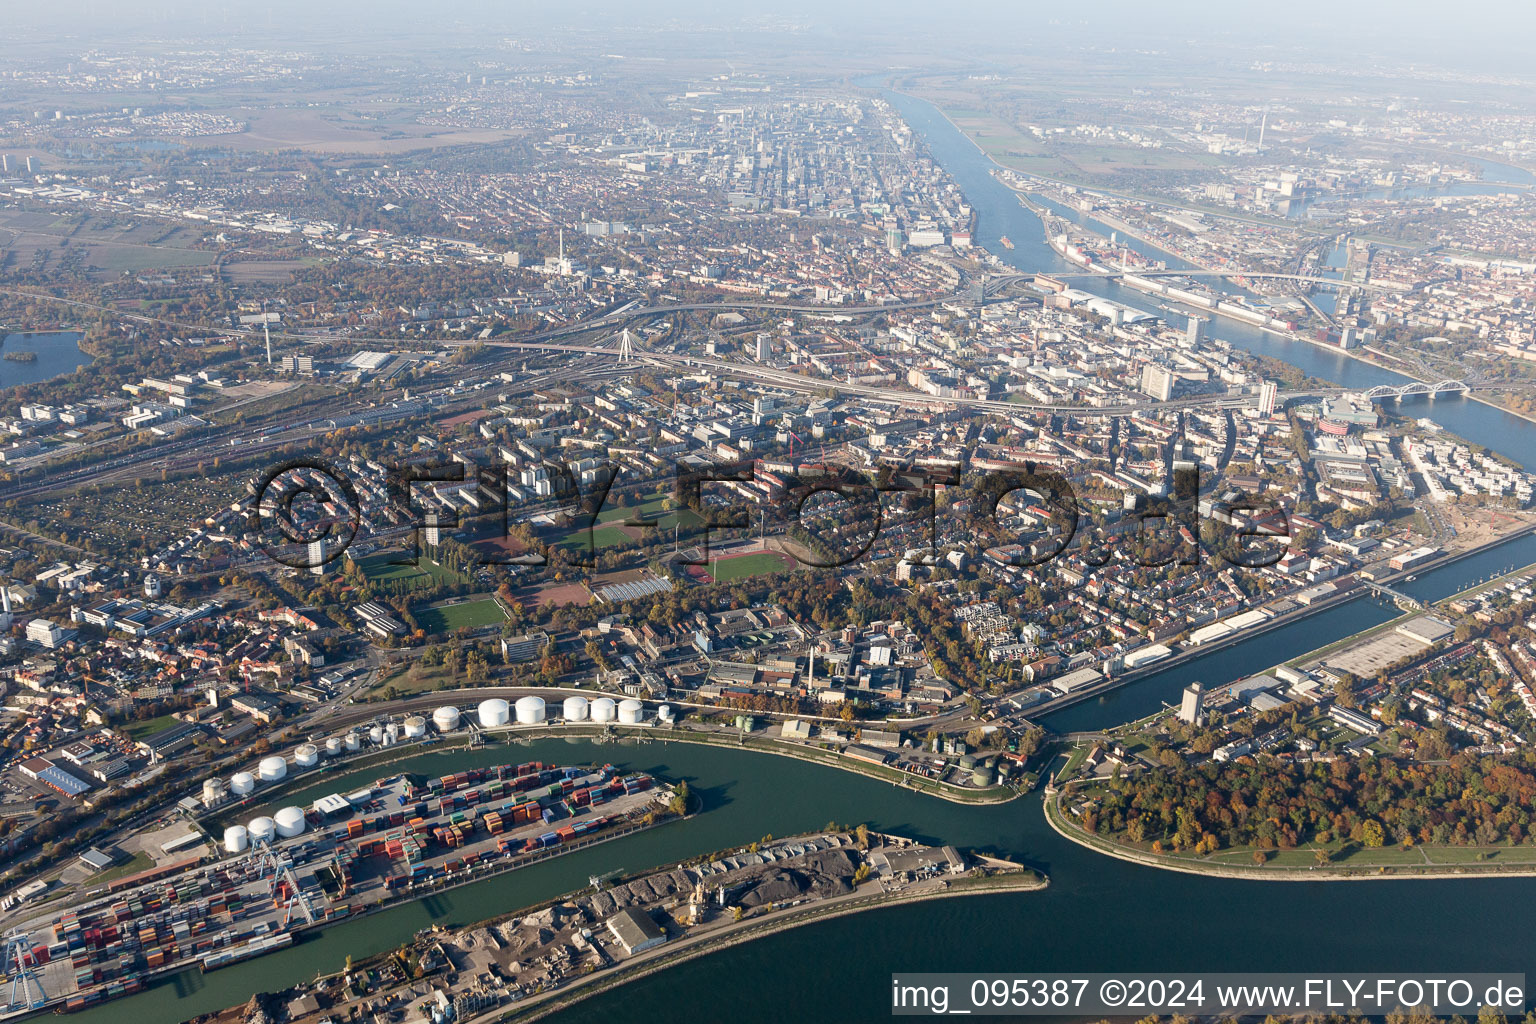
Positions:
(1157, 381)
(317, 556)
(1192, 333)
(1269, 391)
(761, 353)
(1192, 705)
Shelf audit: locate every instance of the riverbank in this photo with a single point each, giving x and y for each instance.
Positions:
(229, 894)
(766, 745)
(1028, 881)
(1129, 280)
(1400, 869)
(1344, 597)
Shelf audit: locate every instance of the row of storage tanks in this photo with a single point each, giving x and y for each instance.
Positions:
(532, 710)
(285, 824)
(491, 713)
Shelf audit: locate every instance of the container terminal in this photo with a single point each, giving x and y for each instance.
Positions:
(301, 869)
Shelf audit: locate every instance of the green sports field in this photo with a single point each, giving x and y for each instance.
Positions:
(742, 566)
(379, 569)
(484, 612)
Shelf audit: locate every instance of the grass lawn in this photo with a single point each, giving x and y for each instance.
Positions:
(602, 537)
(760, 564)
(482, 612)
(1074, 762)
(379, 568)
(414, 677)
(605, 533)
(148, 727)
(138, 862)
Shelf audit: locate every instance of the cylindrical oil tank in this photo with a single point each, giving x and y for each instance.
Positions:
(290, 822)
(630, 712)
(354, 741)
(967, 762)
(242, 783)
(446, 718)
(530, 710)
(493, 712)
(376, 734)
(391, 732)
(236, 839)
(272, 769)
(262, 829)
(981, 776)
(307, 756)
(333, 746)
(574, 709)
(603, 710)
(213, 791)
(415, 727)
(664, 713)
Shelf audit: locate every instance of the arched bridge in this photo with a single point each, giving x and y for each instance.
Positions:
(1387, 393)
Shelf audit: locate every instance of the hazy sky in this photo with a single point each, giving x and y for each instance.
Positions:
(1476, 35)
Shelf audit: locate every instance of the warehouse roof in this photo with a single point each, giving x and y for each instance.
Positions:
(635, 930)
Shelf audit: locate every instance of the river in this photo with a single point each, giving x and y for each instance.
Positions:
(1000, 213)
(1098, 913)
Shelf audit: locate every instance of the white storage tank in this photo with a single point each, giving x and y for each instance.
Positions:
(446, 718)
(242, 784)
(664, 713)
(262, 829)
(575, 709)
(290, 822)
(333, 747)
(272, 769)
(307, 756)
(213, 791)
(530, 710)
(354, 741)
(391, 732)
(376, 734)
(493, 712)
(630, 712)
(236, 839)
(415, 727)
(602, 710)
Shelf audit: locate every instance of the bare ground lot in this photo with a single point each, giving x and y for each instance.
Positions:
(338, 130)
(261, 271)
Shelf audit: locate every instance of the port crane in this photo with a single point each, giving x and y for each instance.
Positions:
(265, 859)
(596, 881)
(26, 989)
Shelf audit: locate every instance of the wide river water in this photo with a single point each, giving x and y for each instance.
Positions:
(1098, 914)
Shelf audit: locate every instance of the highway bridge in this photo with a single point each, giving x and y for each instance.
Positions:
(1387, 393)
(1402, 599)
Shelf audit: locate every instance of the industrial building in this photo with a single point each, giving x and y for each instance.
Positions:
(635, 931)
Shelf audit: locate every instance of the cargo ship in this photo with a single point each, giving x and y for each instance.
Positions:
(256, 947)
(1007, 242)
